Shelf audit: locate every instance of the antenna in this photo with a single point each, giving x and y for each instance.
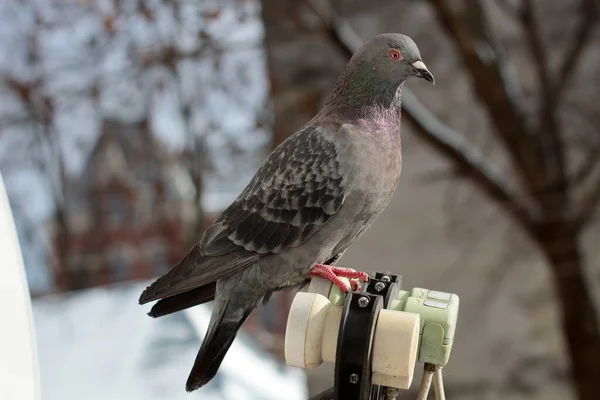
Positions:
(374, 336)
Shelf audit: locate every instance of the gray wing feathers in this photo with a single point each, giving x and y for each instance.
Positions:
(296, 190)
(195, 270)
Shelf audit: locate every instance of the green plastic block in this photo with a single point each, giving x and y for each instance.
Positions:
(336, 297)
(439, 314)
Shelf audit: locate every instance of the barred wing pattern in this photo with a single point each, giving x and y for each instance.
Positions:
(295, 192)
(298, 189)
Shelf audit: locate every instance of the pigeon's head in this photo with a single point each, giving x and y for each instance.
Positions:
(376, 72)
(393, 58)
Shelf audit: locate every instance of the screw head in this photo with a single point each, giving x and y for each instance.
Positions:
(363, 302)
(379, 286)
(354, 379)
(386, 278)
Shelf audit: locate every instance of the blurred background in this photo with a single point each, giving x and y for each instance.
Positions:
(127, 125)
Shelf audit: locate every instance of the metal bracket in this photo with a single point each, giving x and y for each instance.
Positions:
(423, 320)
(385, 285)
(355, 341)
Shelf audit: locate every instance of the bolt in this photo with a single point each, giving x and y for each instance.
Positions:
(386, 278)
(379, 286)
(363, 302)
(354, 377)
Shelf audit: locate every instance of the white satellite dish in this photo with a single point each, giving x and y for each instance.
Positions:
(19, 374)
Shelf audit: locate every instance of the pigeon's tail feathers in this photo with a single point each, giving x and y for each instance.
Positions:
(193, 271)
(224, 325)
(184, 300)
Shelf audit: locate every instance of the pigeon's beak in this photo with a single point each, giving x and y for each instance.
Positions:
(422, 71)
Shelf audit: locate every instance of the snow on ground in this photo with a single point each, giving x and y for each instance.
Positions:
(99, 344)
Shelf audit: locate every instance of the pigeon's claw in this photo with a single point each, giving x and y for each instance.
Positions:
(355, 284)
(324, 271)
(334, 274)
(349, 273)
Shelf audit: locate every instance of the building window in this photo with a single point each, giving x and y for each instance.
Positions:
(116, 209)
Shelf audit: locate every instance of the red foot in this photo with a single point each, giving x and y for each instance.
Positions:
(333, 274)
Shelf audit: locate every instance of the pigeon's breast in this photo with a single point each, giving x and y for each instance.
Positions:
(371, 169)
(373, 164)
(380, 165)
(376, 162)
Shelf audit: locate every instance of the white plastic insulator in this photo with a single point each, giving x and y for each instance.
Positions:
(304, 330)
(330, 334)
(320, 286)
(395, 348)
(312, 332)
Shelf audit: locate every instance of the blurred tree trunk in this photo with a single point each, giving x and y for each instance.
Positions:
(579, 318)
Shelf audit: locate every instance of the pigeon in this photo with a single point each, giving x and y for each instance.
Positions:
(315, 194)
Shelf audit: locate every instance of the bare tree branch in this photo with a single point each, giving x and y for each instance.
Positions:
(588, 205)
(493, 83)
(588, 16)
(550, 94)
(534, 41)
(538, 154)
(587, 140)
(469, 161)
(444, 139)
(508, 8)
(587, 167)
(550, 141)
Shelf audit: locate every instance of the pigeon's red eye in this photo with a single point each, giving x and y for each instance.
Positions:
(394, 54)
